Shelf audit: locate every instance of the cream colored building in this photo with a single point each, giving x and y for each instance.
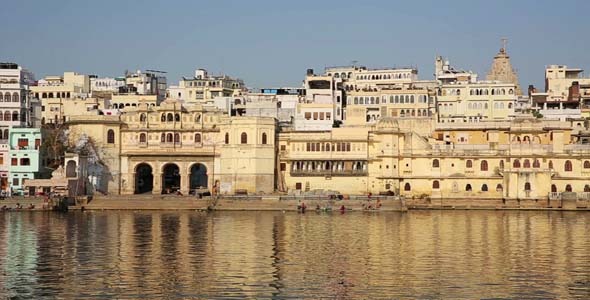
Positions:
(122, 101)
(203, 88)
(170, 148)
(519, 159)
(59, 110)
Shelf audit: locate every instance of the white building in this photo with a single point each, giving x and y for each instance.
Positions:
(106, 84)
(14, 96)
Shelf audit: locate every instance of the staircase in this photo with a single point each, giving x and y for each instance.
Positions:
(147, 202)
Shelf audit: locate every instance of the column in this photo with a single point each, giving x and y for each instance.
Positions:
(184, 180)
(157, 182)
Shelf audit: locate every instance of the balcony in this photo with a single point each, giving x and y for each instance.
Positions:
(323, 173)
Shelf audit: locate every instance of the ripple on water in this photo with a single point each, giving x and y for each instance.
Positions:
(419, 254)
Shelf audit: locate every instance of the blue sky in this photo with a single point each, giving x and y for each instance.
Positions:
(272, 43)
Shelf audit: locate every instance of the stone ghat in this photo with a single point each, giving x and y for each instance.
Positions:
(270, 203)
(495, 203)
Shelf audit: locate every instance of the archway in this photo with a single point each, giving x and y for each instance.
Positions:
(198, 177)
(170, 179)
(144, 179)
(71, 169)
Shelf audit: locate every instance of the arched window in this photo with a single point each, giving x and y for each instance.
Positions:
(14, 97)
(435, 163)
(568, 188)
(526, 164)
(142, 137)
(469, 164)
(197, 138)
(1, 116)
(527, 186)
(499, 188)
(587, 189)
(516, 164)
(568, 166)
(169, 138)
(15, 115)
(407, 187)
(435, 185)
(244, 138)
(501, 164)
(536, 164)
(163, 138)
(198, 118)
(484, 165)
(586, 164)
(226, 138)
(550, 164)
(6, 116)
(468, 188)
(177, 117)
(169, 117)
(176, 138)
(163, 119)
(142, 118)
(111, 136)
(553, 188)
(264, 138)
(484, 187)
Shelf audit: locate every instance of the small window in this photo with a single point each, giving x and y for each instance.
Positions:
(435, 185)
(283, 166)
(586, 164)
(568, 166)
(484, 188)
(435, 163)
(407, 187)
(142, 137)
(553, 188)
(15, 181)
(468, 188)
(25, 162)
(197, 138)
(484, 165)
(469, 164)
(516, 164)
(264, 138)
(527, 186)
(14, 161)
(298, 186)
(111, 136)
(568, 188)
(244, 138)
(226, 138)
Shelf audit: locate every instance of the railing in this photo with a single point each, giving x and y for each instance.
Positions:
(584, 196)
(328, 173)
(555, 196)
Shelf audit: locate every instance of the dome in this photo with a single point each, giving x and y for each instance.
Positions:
(387, 123)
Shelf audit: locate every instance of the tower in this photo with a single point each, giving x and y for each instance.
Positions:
(501, 69)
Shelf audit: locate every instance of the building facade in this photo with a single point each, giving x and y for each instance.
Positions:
(24, 146)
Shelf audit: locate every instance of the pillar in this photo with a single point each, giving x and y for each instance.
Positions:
(157, 182)
(184, 181)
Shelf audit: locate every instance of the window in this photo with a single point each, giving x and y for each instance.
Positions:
(14, 181)
(484, 187)
(23, 143)
(516, 164)
(586, 164)
(499, 188)
(177, 117)
(484, 165)
(283, 166)
(264, 138)
(527, 186)
(568, 166)
(568, 188)
(25, 161)
(169, 138)
(553, 188)
(536, 164)
(435, 163)
(587, 189)
(142, 118)
(163, 138)
(197, 138)
(407, 187)
(550, 164)
(468, 188)
(244, 138)
(226, 138)
(526, 164)
(142, 137)
(14, 161)
(298, 186)
(169, 117)
(469, 164)
(176, 138)
(307, 115)
(111, 136)
(435, 185)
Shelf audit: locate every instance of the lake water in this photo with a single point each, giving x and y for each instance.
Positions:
(225, 255)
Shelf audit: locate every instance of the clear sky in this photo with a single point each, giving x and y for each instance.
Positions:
(271, 43)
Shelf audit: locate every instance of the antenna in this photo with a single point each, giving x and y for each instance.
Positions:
(504, 43)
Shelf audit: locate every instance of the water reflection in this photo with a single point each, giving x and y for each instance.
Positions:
(420, 254)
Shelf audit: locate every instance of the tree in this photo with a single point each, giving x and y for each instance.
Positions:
(55, 143)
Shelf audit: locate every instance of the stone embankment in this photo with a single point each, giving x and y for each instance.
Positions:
(270, 203)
